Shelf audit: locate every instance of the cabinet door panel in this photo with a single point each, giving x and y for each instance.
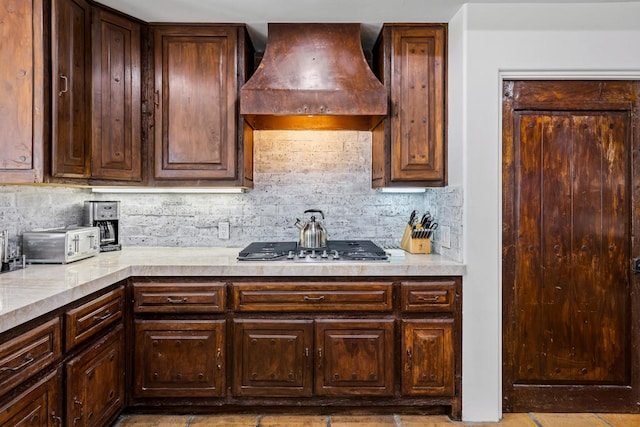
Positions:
(354, 357)
(410, 146)
(195, 116)
(116, 143)
(179, 358)
(272, 358)
(418, 98)
(39, 405)
(95, 382)
(70, 88)
(21, 91)
(428, 358)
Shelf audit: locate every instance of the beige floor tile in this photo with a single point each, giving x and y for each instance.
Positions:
(293, 421)
(569, 420)
(154, 421)
(427, 421)
(622, 420)
(224, 421)
(511, 420)
(363, 420)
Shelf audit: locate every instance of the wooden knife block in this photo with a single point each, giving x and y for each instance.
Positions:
(414, 246)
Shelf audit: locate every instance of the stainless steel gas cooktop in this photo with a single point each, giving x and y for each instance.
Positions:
(336, 250)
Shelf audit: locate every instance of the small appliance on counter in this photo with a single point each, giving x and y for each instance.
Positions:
(9, 260)
(61, 245)
(105, 215)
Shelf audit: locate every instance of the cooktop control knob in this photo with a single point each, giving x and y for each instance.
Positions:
(324, 254)
(301, 255)
(291, 255)
(313, 254)
(336, 255)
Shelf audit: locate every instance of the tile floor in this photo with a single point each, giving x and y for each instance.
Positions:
(510, 420)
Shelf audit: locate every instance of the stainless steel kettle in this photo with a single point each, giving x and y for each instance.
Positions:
(312, 234)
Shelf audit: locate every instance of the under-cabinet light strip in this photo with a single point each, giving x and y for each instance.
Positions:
(402, 190)
(157, 190)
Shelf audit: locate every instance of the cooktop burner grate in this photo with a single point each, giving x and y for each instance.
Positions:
(336, 250)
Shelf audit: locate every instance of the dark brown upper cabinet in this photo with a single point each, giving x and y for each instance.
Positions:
(116, 151)
(410, 145)
(70, 83)
(21, 92)
(198, 136)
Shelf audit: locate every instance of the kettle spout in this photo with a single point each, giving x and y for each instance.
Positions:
(298, 224)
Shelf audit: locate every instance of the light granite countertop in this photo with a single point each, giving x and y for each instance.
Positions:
(36, 290)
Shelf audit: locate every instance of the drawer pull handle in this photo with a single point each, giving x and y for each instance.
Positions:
(106, 315)
(308, 298)
(27, 359)
(429, 299)
(177, 300)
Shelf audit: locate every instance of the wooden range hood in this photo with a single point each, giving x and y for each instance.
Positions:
(313, 76)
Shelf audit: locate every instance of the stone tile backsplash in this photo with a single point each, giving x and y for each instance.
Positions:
(293, 171)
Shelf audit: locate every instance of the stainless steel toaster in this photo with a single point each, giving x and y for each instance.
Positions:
(61, 245)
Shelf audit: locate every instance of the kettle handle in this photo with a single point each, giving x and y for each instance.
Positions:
(315, 210)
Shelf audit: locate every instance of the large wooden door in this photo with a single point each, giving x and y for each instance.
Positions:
(570, 314)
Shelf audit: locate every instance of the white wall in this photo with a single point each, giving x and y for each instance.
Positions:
(488, 41)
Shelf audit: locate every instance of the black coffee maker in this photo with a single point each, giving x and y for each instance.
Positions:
(105, 215)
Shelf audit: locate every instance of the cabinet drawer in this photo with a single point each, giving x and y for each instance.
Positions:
(428, 296)
(29, 353)
(317, 296)
(178, 297)
(85, 321)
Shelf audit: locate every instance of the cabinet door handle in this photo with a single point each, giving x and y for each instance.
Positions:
(308, 298)
(107, 314)
(219, 359)
(156, 98)
(56, 419)
(409, 359)
(79, 404)
(177, 300)
(65, 79)
(320, 358)
(27, 359)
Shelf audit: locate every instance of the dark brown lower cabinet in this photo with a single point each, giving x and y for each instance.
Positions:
(354, 357)
(272, 357)
(428, 359)
(277, 358)
(179, 358)
(377, 344)
(38, 406)
(95, 382)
